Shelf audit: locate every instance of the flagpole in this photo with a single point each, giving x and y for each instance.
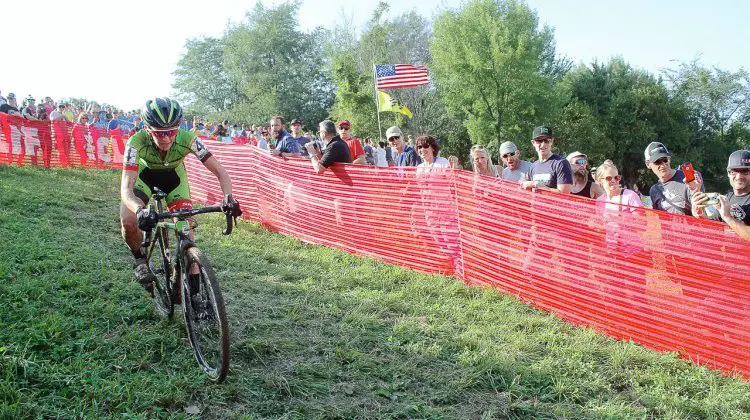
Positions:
(377, 100)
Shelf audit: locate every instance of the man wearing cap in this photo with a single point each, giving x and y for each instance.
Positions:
(11, 107)
(355, 147)
(550, 171)
(734, 207)
(516, 170)
(405, 154)
(336, 149)
(29, 110)
(582, 184)
(286, 146)
(670, 193)
(298, 136)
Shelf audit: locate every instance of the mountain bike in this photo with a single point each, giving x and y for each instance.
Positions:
(202, 301)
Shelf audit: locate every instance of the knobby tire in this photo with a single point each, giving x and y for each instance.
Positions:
(208, 332)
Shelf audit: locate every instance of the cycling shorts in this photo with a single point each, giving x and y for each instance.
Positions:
(173, 182)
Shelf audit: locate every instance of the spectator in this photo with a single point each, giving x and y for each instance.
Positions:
(480, 160)
(298, 136)
(406, 156)
(262, 142)
(369, 153)
(734, 207)
(114, 123)
(516, 170)
(336, 149)
(49, 105)
(355, 146)
(83, 118)
(614, 197)
(381, 155)
(670, 193)
(41, 113)
(11, 108)
(236, 132)
(582, 184)
(286, 146)
(222, 134)
(29, 110)
(550, 171)
(70, 112)
(59, 113)
(428, 151)
(101, 120)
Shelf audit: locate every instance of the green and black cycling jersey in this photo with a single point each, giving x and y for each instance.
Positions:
(167, 173)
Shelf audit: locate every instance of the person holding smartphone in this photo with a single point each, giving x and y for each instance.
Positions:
(734, 207)
(672, 192)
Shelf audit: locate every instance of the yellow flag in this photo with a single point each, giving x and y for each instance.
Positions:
(386, 104)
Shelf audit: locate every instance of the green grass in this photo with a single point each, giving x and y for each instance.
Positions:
(316, 333)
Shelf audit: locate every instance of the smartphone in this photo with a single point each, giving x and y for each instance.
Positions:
(689, 172)
(713, 199)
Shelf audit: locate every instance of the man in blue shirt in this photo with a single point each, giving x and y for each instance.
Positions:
(297, 135)
(550, 171)
(286, 146)
(407, 156)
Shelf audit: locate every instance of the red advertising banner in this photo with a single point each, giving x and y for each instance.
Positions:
(668, 282)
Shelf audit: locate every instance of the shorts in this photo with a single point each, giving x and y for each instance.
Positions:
(173, 182)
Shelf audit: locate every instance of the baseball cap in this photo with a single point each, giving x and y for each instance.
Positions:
(541, 131)
(393, 132)
(655, 151)
(508, 147)
(576, 154)
(296, 121)
(11, 95)
(739, 160)
(343, 124)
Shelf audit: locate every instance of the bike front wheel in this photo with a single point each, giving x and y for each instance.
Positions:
(161, 266)
(205, 317)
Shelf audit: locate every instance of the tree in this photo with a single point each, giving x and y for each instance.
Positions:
(497, 68)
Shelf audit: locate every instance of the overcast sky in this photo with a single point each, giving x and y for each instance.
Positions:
(125, 53)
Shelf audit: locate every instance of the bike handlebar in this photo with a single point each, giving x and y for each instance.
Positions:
(185, 213)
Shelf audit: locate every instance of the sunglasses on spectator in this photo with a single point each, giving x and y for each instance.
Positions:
(544, 140)
(580, 161)
(423, 146)
(738, 171)
(610, 178)
(164, 133)
(660, 161)
(344, 128)
(392, 139)
(507, 155)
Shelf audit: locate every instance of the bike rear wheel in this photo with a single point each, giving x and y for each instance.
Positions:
(206, 317)
(161, 266)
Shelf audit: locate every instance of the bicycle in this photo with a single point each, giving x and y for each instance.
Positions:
(203, 305)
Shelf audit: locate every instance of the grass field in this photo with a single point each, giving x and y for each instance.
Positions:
(316, 333)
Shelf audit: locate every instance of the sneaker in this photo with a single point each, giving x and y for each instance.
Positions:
(144, 275)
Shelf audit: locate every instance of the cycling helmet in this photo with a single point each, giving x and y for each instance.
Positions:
(161, 113)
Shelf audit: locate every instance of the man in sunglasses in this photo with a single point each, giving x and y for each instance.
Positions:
(550, 171)
(405, 154)
(154, 158)
(670, 193)
(734, 207)
(516, 170)
(582, 186)
(355, 145)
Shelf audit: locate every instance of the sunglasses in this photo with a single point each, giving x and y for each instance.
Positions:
(542, 141)
(580, 161)
(393, 139)
(738, 171)
(423, 146)
(507, 155)
(344, 128)
(610, 178)
(661, 161)
(164, 133)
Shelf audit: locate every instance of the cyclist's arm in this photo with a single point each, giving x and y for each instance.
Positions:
(213, 165)
(127, 183)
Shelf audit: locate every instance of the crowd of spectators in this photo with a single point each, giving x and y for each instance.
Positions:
(673, 192)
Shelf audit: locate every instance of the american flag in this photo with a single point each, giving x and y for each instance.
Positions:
(391, 76)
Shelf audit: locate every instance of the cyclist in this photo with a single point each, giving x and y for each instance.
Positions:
(154, 158)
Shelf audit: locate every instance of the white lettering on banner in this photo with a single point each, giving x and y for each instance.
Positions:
(102, 143)
(15, 139)
(116, 155)
(31, 140)
(89, 145)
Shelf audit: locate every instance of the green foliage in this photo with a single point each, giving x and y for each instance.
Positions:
(261, 67)
(489, 61)
(316, 333)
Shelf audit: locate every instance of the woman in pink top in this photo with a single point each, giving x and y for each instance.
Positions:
(621, 227)
(615, 197)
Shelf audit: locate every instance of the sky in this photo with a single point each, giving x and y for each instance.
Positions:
(125, 55)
